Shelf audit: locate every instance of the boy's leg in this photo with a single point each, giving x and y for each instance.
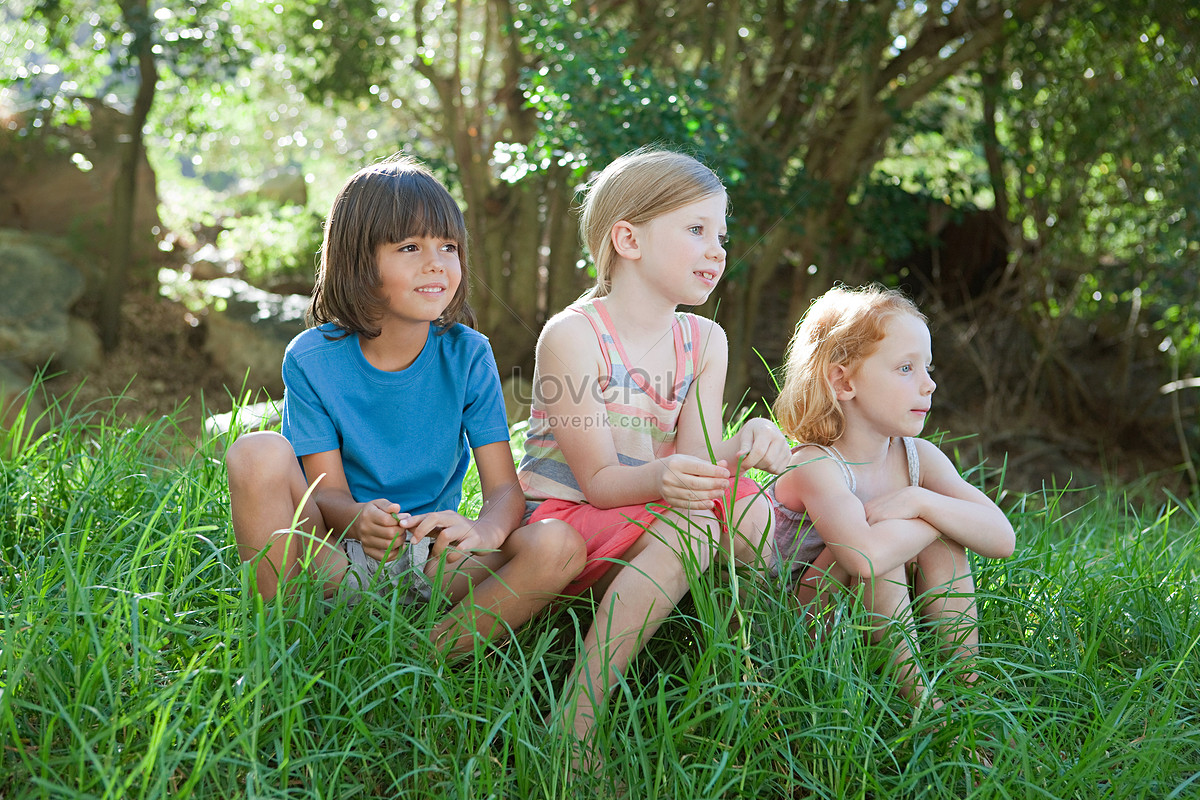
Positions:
(498, 591)
(637, 597)
(266, 485)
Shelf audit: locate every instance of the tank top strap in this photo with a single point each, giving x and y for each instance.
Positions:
(607, 343)
(684, 336)
(836, 457)
(687, 345)
(914, 461)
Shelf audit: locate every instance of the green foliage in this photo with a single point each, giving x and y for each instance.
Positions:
(601, 88)
(72, 49)
(133, 664)
(275, 245)
(1099, 123)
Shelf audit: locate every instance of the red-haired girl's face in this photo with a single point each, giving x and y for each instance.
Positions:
(892, 388)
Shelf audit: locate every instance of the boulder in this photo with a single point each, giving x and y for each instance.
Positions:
(37, 290)
(60, 181)
(248, 330)
(83, 351)
(251, 417)
(286, 187)
(17, 404)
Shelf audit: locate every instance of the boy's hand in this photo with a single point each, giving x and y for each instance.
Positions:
(690, 482)
(761, 445)
(454, 532)
(378, 528)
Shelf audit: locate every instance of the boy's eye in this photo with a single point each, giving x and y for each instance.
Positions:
(723, 239)
(906, 368)
(696, 229)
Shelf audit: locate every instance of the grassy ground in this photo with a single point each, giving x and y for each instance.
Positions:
(133, 664)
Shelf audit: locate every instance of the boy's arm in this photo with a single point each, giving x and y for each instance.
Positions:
(958, 510)
(501, 512)
(569, 367)
(371, 523)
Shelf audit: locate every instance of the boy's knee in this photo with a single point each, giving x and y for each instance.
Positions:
(554, 545)
(254, 454)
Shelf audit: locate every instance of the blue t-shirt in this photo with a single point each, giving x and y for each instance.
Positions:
(404, 436)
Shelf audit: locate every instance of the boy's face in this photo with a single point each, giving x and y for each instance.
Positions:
(418, 277)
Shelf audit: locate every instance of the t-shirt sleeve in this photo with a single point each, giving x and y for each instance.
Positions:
(306, 422)
(484, 417)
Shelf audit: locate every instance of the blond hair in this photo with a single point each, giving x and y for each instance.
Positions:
(636, 188)
(840, 328)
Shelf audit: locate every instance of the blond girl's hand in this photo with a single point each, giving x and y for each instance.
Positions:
(378, 528)
(761, 445)
(690, 482)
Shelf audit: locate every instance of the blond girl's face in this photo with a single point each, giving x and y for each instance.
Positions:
(682, 252)
(891, 388)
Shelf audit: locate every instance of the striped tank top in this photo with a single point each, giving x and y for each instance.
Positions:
(641, 417)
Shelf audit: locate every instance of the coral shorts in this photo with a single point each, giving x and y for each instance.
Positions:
(609, 532)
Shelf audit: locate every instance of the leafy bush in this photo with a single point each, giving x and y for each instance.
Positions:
(275, 245)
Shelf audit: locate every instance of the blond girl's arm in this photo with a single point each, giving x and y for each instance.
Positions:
(958, 510)
(757, 444)
(569, 368)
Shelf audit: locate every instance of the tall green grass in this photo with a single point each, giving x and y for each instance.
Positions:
(134, 664)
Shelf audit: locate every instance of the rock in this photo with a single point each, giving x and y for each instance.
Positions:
(60, 182)
(83, 352)
(17, 405)
(37, 288)
(248, 330)
(285, 188)
(209, 263)
(252, 417)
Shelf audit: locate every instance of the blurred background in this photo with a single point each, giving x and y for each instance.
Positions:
(1025, 169)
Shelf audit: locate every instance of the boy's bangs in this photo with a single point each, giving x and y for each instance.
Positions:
(423, 210)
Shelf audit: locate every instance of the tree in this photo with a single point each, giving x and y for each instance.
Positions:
(793, 102)
(117, 49)
(1092, 118)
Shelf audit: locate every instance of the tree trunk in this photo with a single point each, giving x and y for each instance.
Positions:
(137, 18)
